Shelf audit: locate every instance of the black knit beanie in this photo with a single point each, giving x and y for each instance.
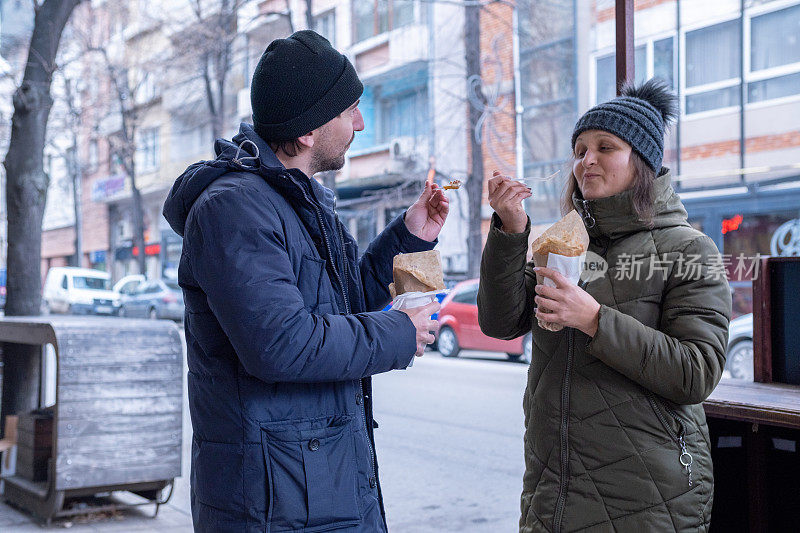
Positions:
(639, 117)
(300, 83)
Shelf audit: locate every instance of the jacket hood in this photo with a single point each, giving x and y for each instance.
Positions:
(252, 152)
(615, 215)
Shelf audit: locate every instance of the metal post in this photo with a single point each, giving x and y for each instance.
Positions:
(742, 92)
(625, 48)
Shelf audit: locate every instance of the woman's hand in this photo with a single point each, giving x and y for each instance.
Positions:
(505, 197)
(566, 303)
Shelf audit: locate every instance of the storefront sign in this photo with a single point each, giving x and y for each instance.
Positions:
(105, 189)
(98, 256)
(786, 239)
(731, 224)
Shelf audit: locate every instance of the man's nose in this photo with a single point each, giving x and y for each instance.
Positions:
(358, 123)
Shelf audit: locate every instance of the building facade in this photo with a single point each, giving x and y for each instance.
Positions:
(409, 55)
(735, 148)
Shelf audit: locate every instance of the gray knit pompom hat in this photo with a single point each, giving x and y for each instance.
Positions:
(639, 117)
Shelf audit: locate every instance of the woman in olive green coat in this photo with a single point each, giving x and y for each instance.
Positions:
(615, 436)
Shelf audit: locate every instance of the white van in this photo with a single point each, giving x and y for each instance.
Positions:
(80, 291)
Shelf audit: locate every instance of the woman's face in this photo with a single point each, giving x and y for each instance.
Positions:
(602, 164)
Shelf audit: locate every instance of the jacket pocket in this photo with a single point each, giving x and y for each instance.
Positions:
(665, 415)
(311, 473)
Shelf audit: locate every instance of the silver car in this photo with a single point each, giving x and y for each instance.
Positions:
(740, 348)
(154, 299)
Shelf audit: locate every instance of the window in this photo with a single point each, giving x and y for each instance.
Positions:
(606, 70)
(147, 151)
(467, 295)
(713, 65)
(88, 283)
(373, 17)
(663, 60)
(403, 115)
(774, 55)
(325, 25)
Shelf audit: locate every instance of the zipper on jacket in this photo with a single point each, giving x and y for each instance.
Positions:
(360, 383)
(321, 223)
(344, 290)
(346, 276)
(564, 435)
(685, 458)
(588, 218)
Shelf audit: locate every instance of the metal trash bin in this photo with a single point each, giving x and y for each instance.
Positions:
(117, 418)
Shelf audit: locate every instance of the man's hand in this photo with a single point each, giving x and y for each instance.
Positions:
(421, 317)
(505, 197)
(426, 217)
(566, 303)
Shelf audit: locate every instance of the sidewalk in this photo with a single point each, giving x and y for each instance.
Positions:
(170, 519)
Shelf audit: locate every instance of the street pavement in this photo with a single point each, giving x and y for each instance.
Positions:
(449, 448)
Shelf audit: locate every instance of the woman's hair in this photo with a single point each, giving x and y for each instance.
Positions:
(641, 192)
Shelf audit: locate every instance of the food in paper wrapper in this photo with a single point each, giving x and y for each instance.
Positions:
(567, 238)
(454, 184)
(417, 272)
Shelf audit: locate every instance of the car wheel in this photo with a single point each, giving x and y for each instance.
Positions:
(448, 342)
(740, 360)
(153, 314)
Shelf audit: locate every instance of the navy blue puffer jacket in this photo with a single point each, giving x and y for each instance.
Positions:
(283, 332)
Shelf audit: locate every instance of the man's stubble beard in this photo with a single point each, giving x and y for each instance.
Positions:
(325, 162)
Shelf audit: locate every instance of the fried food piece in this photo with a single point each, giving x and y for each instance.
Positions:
(454, 184)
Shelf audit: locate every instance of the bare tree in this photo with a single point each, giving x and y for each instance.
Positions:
(26, 194)
(211, 38)
(122, 144)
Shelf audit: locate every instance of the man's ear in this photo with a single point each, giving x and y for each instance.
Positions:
(307, 140)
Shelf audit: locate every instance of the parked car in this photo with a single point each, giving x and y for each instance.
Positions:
(154, 299)
(127, 284)
(459, 329)
(80, 291)
(739, 359)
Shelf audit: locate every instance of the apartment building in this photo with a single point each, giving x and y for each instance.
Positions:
(735, 150)
(410, 57)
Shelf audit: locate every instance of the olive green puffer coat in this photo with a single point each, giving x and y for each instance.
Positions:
(609, 420)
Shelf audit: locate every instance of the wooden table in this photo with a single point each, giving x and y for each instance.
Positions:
(772, 404)
(751, 416)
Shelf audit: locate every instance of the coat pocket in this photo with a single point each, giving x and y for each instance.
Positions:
(311, 472)
(309, 280)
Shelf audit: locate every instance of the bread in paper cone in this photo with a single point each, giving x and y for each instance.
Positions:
(567, 237)
(417, 272)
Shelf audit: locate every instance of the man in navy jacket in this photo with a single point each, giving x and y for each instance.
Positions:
(283, 327)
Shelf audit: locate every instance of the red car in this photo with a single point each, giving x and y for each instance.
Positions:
(458, 319)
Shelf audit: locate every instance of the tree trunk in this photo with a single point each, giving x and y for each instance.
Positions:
(138, 226)
(26, 192)
(474, 185)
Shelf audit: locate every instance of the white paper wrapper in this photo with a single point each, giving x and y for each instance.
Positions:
(569, 267)
(408, 300)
